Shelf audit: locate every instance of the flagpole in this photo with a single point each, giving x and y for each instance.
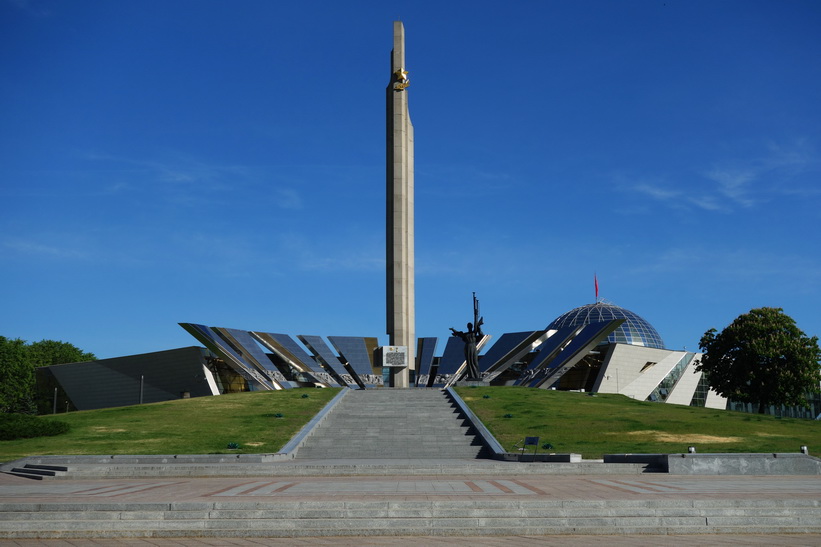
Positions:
(596, 285)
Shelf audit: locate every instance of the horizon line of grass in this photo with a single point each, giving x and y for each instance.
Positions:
(263, 422)
(596, 424)
(258, 422)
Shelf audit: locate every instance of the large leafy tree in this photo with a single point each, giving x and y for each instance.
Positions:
(50, 352)
(17, 363)
(762, 358)
(16, 376)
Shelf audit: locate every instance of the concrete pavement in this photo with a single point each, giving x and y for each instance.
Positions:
(660, 509)
(746, 540)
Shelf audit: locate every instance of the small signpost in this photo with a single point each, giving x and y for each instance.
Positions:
(534, 442)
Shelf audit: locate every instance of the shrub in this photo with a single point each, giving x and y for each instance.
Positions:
(22, 426)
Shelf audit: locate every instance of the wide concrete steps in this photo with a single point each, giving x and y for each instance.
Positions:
(393, 423)
(407, 518)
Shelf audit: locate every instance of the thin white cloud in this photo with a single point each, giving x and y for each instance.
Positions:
(117, 188)
(343, 263)
(31, 247)
(288, 198)
(679, 199)
(662, 194)
(457, 180)
(189, 182)
(323, 255)
(734, 184)
(707, 203)
(729, 264)
(800, 155)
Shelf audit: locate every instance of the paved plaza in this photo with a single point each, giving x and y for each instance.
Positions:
(561, 487)
(241, 493)
(541, 541)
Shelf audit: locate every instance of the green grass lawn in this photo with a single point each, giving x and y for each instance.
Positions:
(203, 425)
(614, 424)
(571, 422)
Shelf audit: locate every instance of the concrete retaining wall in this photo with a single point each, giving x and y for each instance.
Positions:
(724, 464)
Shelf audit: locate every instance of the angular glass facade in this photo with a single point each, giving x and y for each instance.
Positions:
(666, 386)
(634, 331)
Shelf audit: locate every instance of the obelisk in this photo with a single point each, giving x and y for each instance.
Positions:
(401, 313)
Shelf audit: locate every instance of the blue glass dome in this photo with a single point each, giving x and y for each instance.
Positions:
(634, 331)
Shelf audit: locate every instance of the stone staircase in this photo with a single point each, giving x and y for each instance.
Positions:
(466, 517)
(38, 471)
(393, 424)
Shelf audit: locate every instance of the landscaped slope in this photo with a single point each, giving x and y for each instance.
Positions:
(614, 424)
(259, 422)
(571, 422)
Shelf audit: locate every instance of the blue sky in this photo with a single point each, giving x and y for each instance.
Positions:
(222, 163)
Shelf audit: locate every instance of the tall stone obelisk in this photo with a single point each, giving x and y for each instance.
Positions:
(401, 319)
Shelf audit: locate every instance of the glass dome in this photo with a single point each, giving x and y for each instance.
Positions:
(634, 331)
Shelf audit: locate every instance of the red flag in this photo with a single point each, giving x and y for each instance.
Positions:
(596, 282)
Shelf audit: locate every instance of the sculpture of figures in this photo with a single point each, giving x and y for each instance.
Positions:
(471, 338)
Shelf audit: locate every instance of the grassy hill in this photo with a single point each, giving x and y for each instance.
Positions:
(571, 422)
(615, 424)
(203, 425)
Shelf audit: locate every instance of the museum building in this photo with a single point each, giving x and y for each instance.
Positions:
(598, 347)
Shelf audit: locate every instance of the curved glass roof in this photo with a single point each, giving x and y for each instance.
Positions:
(634, 331)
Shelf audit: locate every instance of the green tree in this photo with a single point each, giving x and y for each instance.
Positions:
(17, 363)
(50, 352)
(16, 376)
(763, 358)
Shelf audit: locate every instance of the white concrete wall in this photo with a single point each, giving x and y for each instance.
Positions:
(714, 400)
(621, 373)
(623, 367)
(647, 381)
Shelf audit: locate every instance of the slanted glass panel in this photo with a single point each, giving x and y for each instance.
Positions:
(700, 394)
(669, 382)
(424, 355)
(453, 357)
(251, 351)
(503, 347)
(246, 346)
(547, 351)
(219, 347)
(295, 351)
(575, 351)
(587, 335)
(214, 342)
(325, 355)
(304, 368)
(354, 350)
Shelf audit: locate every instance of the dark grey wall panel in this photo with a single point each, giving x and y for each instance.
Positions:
(424, 356)
(453, 356)
(116, 382)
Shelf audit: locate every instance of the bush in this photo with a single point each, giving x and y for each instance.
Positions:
(22, 426)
